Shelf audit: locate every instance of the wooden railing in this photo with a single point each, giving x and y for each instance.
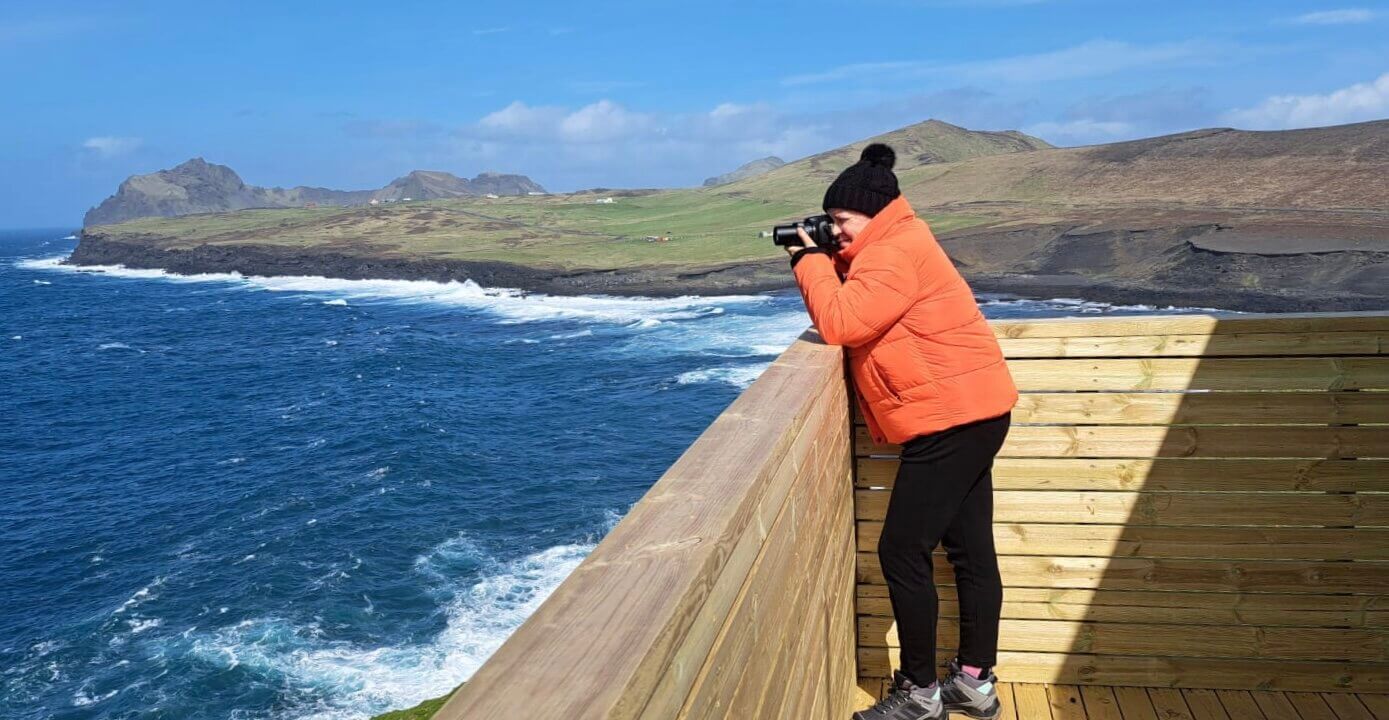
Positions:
(1182, 501)
(726, 592)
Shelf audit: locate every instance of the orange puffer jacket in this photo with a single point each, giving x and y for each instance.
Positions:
(921, 354)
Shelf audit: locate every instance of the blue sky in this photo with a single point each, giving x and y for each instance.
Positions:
(625, 94)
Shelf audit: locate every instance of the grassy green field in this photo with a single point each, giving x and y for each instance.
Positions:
(423, 711)
(705, 227)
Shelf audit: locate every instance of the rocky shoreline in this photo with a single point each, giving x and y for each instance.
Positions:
(1199, 284)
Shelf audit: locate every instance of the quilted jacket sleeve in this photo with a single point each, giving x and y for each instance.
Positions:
(880, 287)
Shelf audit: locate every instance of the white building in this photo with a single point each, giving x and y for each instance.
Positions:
(604, 201)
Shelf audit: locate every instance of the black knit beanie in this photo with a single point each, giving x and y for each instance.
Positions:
(866, 186)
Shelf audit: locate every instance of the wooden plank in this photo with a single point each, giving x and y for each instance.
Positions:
(705, 665)
(1181, 408)
(1008, 708)
(1200, 344)
(1187, 374)
(1065, 702)
(1310, 706)
(1164, 474)
(1169, 704)
(1156, 671)
(1378, 705)
(1210, 324)
(1184, 441)
(1275, 705)
(1032, 701)
(1100, 703)
(1204, 704)
(1181, 608)
(1158, 640)
(1240, 705)
(1347, 706)
(1171, 575)
(1169, 509)
(867, 692)
(1135, 703)
(1243, 543)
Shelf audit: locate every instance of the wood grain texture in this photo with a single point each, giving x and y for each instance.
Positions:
(1171, 672)
(1199, 345)
(1230, 543)
(1219, 576)
(1165, 474)
(1169, 509)
(1238, 641)
(1282, 323)
(1178, 608)
(1179, 408)
(1180, 441)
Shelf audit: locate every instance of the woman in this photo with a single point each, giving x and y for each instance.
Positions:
(930, 376)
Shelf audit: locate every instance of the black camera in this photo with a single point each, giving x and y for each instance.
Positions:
(820, 228)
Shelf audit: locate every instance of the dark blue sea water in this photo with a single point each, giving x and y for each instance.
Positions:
(226, 497)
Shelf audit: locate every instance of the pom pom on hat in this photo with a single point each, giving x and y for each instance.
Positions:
(880, 155)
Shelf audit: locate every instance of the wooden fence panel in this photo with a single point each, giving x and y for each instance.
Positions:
(1191, 501)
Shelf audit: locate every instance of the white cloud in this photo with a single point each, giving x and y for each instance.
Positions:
(1348, 16)
(521, 120)
(607, 143)
(604, 121)
(1357, 103)
(107, 146)
(1091, 59)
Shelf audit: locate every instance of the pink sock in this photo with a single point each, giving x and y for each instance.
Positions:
(976, 672)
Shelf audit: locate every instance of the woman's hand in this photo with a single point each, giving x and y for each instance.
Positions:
(805, 242)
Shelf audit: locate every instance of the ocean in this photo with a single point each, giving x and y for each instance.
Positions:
(229, 497)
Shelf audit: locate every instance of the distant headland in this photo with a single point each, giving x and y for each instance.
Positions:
(1259, 221)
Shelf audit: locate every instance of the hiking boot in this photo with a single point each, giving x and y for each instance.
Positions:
(965, 694)
(906, 701)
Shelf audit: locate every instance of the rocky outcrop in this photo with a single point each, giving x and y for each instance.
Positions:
(198, 186)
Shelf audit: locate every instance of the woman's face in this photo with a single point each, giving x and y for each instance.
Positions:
(847, 224)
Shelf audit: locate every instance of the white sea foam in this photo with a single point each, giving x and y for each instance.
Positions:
(82, 698)
(42, 282)
(1085, 307)
(142, 595)
(139, 625)
(738, 376)
(358, 682)
(512, 306)
(338, 301)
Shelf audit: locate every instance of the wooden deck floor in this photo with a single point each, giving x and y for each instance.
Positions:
(1069, 702)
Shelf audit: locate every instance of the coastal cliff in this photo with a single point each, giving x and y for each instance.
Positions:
(1151, 267)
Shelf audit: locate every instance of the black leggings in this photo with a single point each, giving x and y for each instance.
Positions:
(944, 493)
